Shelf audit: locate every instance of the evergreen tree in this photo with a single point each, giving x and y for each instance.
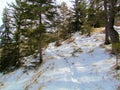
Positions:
(77, 13)
(64, 16)
(96, 13)
(43, 11)
(5, 34)
(23, 22)
(8, 59)
(85, 24)
(80, 18)
(17, 12)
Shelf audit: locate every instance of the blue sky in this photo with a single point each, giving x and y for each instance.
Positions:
(3, 3)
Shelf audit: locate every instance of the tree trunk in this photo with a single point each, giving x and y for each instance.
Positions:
(40, 41)
(107, 41)
(40, 49)
(106, 24)
(114, 36)
(77, 16)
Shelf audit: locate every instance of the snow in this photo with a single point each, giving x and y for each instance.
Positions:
(80, 63)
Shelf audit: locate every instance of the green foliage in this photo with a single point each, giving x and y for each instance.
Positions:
(48, 38)
(96, 14)
(9, 58)
(86, 28)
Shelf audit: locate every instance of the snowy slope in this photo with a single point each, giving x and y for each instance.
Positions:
(80, 63)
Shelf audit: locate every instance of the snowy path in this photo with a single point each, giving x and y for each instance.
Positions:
(79, 65)
(87, 70)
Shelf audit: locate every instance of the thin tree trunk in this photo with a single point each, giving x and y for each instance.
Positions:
(40, 41)
(40, 49)
(77, 16)
(18, 56)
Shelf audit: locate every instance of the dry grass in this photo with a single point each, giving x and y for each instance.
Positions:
(97, 30)
(70, 40)
(117, 23)
(40, 88)
(33, 80)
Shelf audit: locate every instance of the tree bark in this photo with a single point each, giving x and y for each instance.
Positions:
(107, 41)
(40, 41)
(114, 36)
(40, 49)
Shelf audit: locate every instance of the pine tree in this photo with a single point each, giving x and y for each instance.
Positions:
(8, 59)
(64, 16)
(43, 11)
(76, 10)
(5, 34)
(80, 16)
(22, 23)
(96, 13)
(17, 23)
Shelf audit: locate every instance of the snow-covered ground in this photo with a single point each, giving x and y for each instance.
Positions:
(80, 63)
